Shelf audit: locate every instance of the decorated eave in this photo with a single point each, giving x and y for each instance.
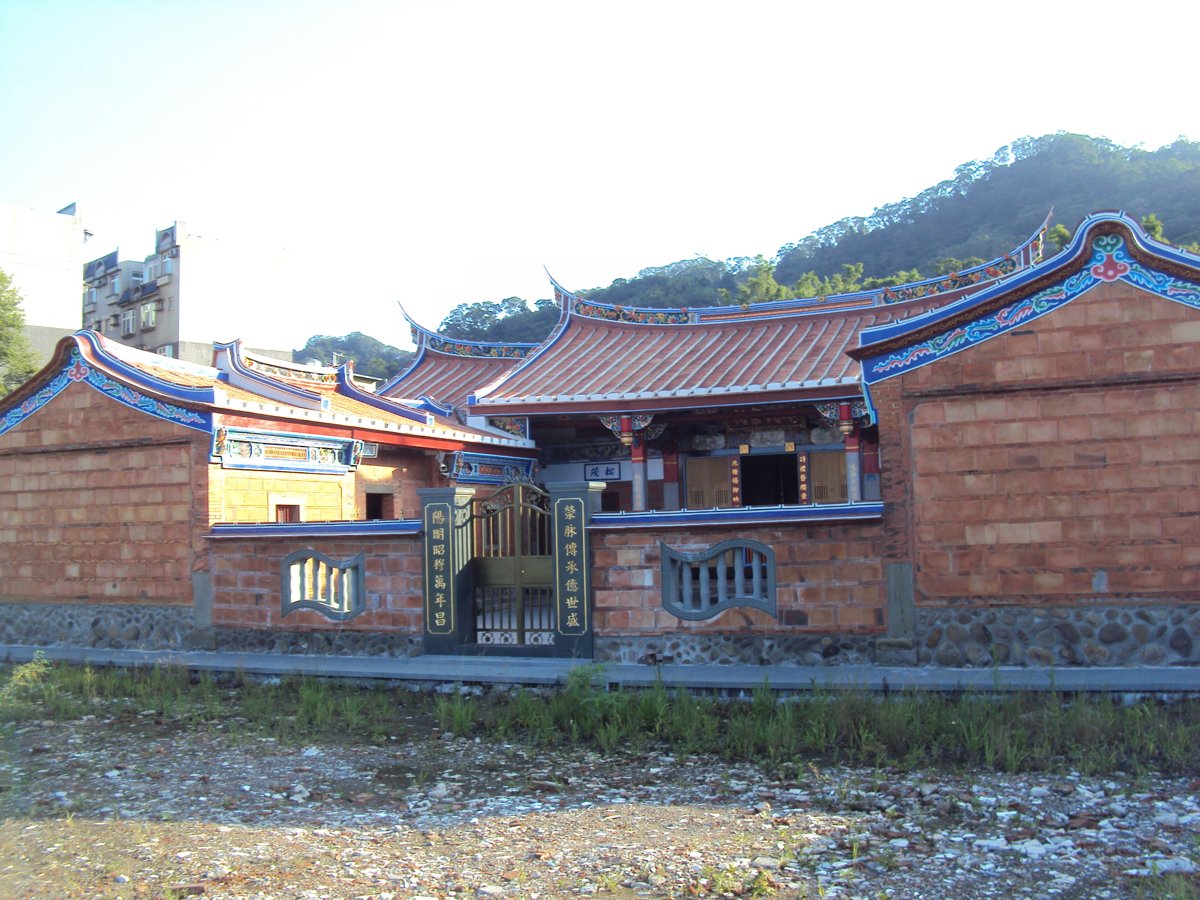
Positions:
(240, 388)
(1108, 247)
(444, 372)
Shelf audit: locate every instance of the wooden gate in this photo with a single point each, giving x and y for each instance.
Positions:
(513, 591)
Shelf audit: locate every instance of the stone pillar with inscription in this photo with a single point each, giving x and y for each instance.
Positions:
(572, 505)
(637, 456)
(445, 517)
(853, 468)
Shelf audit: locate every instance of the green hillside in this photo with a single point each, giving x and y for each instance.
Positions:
(987, 209)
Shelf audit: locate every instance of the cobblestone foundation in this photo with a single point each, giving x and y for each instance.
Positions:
(117, 627)
(327, 643)
(1092, 636)
(737, 649)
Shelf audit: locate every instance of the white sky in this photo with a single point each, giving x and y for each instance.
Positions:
(434, 153)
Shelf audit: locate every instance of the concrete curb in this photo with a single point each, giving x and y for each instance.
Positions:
(509, 670)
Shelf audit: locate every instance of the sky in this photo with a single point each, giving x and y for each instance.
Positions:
(437, 153)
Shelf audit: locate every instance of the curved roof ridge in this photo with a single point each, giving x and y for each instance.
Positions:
(230, 361)
(1073, 258)
(127, 362)
(439, 343)
(1021, 257)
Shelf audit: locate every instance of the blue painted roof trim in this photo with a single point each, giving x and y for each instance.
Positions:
(348, 388)
(1077, 247)
(1109, 260)
(396, 379)
(555, 335)
(745, 515)
(96, 353)
(76, 368)
(232, 351)
(374, 528)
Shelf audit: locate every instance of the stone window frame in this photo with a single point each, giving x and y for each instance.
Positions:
(336, 588)
(715, 581)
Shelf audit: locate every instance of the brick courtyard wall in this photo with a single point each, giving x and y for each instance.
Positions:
(247, 579)
(96, 505)
(829, 581)
(1059, 463)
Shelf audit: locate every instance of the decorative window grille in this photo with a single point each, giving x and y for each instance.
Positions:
(703, 583)
(333, 587)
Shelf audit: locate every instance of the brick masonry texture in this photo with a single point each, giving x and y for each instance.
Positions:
(89, 516)
(829, 577)
(1051, 466)
(247, 577)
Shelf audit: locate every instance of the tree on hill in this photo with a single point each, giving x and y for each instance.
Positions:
(509, 321)
(371, 357)
(992, 205)
(16, 356)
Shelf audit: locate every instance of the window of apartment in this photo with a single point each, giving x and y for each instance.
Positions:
(165, 350)
(157, 266)
(128, 321)
(149, 311)
(92, 296)
(114, 285)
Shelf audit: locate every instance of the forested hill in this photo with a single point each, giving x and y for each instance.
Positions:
(987, 209)
(992, 205)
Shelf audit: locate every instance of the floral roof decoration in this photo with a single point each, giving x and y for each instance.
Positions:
(477, 350)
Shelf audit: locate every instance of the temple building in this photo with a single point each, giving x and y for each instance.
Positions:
(997, 466)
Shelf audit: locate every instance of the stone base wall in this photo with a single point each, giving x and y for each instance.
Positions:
(323, 643)
(1061, 636)
(110, 626)
(737, 649)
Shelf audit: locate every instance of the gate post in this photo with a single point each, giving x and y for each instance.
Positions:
(445, 518)
(572, 505)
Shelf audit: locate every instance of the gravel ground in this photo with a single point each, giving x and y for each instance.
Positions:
(119, 808)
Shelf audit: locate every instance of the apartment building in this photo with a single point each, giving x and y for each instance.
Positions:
(185, 295)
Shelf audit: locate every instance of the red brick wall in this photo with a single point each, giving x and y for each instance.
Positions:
(828, 578)
(96, 504)
(1060, 462)
(246, 579)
